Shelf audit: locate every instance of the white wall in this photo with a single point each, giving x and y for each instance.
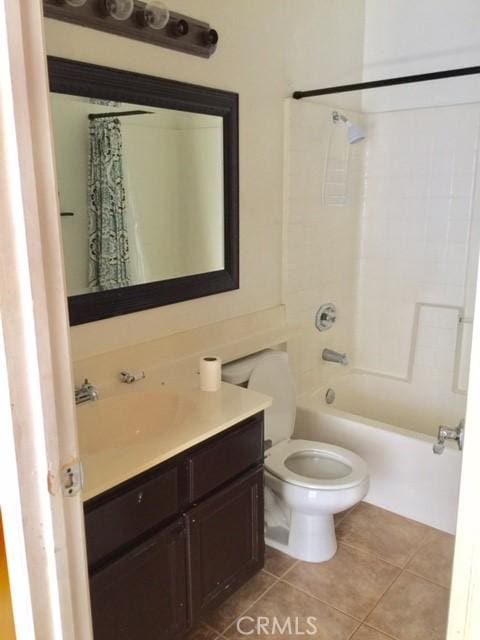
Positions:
(266, 51)
(405, 37)
(201, 210)
(71, 159)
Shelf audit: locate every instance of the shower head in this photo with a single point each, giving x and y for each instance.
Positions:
(354, 133)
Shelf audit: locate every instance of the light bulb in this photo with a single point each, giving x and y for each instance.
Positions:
(119, 9)
(156, 14)
(75, 3)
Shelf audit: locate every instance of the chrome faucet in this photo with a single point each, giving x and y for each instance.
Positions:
(129, 377)
(333, 356)
(447, 433)
(86, 393)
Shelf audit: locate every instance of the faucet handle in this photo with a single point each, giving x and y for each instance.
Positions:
(447, 433)
(129, 378)
(438, 447)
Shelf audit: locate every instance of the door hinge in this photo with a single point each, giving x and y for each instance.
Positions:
(72, 479)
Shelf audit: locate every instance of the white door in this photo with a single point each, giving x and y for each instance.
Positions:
(464, 618)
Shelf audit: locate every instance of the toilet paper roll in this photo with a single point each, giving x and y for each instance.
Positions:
(210, 373)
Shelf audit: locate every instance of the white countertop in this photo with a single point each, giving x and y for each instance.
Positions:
(113, 449)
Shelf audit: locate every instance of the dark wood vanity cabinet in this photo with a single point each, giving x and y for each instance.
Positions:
(167, 546)
(226, 541)
(143, 594)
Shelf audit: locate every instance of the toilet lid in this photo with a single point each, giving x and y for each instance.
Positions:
(315, 465)
(273, 377)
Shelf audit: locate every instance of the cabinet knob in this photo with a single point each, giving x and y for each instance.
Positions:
(139, 497)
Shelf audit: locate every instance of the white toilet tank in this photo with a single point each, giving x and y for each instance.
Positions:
(268, 372)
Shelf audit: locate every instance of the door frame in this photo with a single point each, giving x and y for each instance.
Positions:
(44, 532)
(464, 609)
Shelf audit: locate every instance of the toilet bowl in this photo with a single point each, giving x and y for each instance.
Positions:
(306, 482)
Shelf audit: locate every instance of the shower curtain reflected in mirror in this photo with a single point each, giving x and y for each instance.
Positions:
(108, 264)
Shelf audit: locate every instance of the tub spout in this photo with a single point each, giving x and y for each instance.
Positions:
(333, 356)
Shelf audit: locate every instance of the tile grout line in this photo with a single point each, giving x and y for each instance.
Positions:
(328, 604)
(295, 562)
(371, 554)
(380, 630)
(249, 606)
(422, 544)
(429, 580)
(277, 579)
(355, 631)
(387, 635)
(384, 593)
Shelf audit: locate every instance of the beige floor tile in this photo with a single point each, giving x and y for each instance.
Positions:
(284, 605)
(412, 609)
(387, 535)
(352, 581)
(338, 517)
(226, 613)
(434, 559)
(201, 632)
(367, 633)
(277, 562)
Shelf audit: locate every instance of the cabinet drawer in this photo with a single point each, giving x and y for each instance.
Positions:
(226, 457)
(131, 513)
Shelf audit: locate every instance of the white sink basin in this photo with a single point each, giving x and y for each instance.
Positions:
(125, 420)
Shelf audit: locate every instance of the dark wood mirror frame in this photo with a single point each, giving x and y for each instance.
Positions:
(92, 81)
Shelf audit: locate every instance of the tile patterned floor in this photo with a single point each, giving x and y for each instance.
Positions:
(389, 580)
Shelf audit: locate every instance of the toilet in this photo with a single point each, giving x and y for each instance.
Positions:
(306, 482)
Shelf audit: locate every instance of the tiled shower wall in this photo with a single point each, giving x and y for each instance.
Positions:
(397, 258)
(323, 182)
(418, 250)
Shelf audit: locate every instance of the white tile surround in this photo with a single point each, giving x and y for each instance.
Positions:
(320, 241)
(397, 258)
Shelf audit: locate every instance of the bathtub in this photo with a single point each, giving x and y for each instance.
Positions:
(406, 477)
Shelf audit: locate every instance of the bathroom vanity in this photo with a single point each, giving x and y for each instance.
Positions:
(172, 542)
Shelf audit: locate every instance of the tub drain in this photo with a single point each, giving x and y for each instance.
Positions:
(330, 396)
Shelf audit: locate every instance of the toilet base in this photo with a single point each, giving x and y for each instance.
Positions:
(309, 538)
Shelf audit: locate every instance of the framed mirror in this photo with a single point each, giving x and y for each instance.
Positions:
(148, 184)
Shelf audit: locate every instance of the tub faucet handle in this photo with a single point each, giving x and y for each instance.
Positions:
(447, 433)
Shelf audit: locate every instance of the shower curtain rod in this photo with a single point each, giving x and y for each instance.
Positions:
(116, 114)
(388, 82)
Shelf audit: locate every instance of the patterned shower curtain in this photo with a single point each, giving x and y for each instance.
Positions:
(108, 264)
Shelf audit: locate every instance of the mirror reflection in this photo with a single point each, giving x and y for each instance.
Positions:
(141, 192)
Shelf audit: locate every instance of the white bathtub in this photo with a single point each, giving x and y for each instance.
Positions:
(406, 477)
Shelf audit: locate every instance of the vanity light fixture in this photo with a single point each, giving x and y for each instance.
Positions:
(118, 9)
(154, 15)
(146, 20)
(210, 37)
(179, 28)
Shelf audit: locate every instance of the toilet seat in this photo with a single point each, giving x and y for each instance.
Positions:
(343, 469)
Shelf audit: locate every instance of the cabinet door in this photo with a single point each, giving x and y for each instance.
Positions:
(143, 594)
(226, 541)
